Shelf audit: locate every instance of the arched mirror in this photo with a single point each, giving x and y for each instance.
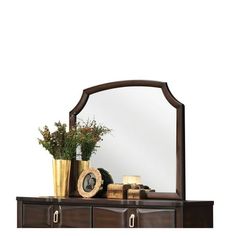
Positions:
(147, 137)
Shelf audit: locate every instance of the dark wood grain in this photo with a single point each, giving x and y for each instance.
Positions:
(103, 201)
(197, 216)
(155, 218)
(37, 216)
(19, 213)
(101, 212)
(180, 133)
(107, 217)
(75, 216)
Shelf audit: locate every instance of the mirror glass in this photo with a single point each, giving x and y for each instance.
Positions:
(143, 137)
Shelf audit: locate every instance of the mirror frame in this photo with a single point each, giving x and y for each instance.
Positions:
(180, 133)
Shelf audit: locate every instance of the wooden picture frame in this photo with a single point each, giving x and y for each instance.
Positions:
(87, 189)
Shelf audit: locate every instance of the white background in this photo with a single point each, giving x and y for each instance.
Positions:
(51, 50)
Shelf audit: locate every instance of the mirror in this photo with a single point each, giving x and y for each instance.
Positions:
(147, 137)
(143, 134)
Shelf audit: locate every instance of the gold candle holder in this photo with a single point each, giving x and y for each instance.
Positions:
(131, 179)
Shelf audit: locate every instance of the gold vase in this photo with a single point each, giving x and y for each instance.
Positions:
(61, 177)
(82, 165)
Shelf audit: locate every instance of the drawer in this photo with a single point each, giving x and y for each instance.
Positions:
(45, 215)
(37, 216)
(75, 216)
(155, 218)
(110, 217)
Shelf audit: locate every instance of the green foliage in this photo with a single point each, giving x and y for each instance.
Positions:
(61, 144)
(89, 134)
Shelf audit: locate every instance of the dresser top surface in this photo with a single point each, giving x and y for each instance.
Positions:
(111, 202)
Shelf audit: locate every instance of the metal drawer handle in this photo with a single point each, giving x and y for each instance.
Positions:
(131, 221)
(55, 216)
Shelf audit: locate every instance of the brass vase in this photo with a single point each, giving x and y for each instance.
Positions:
(61, 177)
(82, 165)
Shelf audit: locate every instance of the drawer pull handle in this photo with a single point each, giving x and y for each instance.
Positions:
(131, 221)
(55, 217)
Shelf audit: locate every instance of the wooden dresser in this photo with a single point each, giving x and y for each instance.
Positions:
(52, 212)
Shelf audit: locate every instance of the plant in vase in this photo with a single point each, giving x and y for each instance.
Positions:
(89, 135)
(61, 144)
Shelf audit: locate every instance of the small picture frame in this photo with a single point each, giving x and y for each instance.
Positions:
(90, 183)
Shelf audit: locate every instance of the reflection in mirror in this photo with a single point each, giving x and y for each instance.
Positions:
(143, 137)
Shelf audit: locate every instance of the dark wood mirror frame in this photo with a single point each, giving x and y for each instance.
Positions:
(180, 139)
